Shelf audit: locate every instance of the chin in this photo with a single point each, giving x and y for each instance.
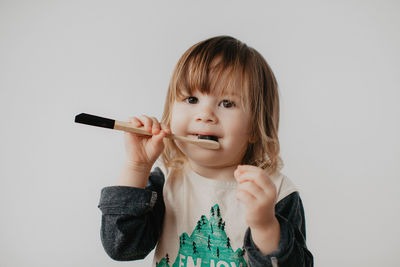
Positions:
(201, 155)
(207, 161)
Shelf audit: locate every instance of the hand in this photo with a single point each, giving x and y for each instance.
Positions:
(258, 193)
(143, 150)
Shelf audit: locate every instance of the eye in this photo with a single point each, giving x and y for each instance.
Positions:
(191, 100)
(227, 103)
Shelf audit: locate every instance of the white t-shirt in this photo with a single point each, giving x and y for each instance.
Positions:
(204, 223)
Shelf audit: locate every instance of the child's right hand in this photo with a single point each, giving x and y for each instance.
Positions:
(143, 150)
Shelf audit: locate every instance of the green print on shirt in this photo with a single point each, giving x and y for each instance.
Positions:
(208, 246)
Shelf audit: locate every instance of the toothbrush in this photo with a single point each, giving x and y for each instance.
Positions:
(127, 127)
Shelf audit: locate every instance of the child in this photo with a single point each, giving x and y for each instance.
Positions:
(204, 207)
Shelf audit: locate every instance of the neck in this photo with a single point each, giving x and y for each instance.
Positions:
(221, 173)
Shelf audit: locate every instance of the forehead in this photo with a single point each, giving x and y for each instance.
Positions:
(218, 78)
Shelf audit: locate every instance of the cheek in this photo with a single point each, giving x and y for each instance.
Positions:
(241, 130)
(177, 119)
(174, 119)
(240, 124)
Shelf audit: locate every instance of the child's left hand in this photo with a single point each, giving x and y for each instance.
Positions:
(258, 193)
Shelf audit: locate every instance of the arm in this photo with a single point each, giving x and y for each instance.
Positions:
(292, 250)
(132, 218)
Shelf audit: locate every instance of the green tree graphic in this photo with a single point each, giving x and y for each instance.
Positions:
(208, 244)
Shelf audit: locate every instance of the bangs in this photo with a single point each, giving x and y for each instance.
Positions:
(213, 69)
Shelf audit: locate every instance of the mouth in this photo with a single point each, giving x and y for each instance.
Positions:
(206, 137)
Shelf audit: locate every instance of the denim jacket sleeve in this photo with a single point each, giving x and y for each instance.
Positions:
(132, 218)
(292, 250)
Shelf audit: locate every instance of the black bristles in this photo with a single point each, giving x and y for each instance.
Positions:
(94, 120)
(208, 137)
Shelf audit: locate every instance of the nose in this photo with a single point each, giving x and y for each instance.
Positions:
(206, 114)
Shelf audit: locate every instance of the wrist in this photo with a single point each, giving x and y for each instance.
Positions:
(134, 175)
(138, 167)
(267, 237)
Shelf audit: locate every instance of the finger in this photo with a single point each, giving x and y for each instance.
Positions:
(245, 197)
(165, 128)
(253, 189)
(251, 168)
(160, 134)
(248, 168)
(244, 173)
(254, 174)
(147, 123)
(158, 138)
(156, 126)
(257, 177)
(135, 122)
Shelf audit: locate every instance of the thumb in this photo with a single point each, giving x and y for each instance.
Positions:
(157, 141)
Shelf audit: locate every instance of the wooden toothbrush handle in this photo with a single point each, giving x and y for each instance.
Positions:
(127, 127)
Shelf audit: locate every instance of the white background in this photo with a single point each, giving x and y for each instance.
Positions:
(337, 65)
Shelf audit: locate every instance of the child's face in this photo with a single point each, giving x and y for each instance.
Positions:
(213, 114)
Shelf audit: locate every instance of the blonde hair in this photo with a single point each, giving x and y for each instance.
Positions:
(197, 70)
